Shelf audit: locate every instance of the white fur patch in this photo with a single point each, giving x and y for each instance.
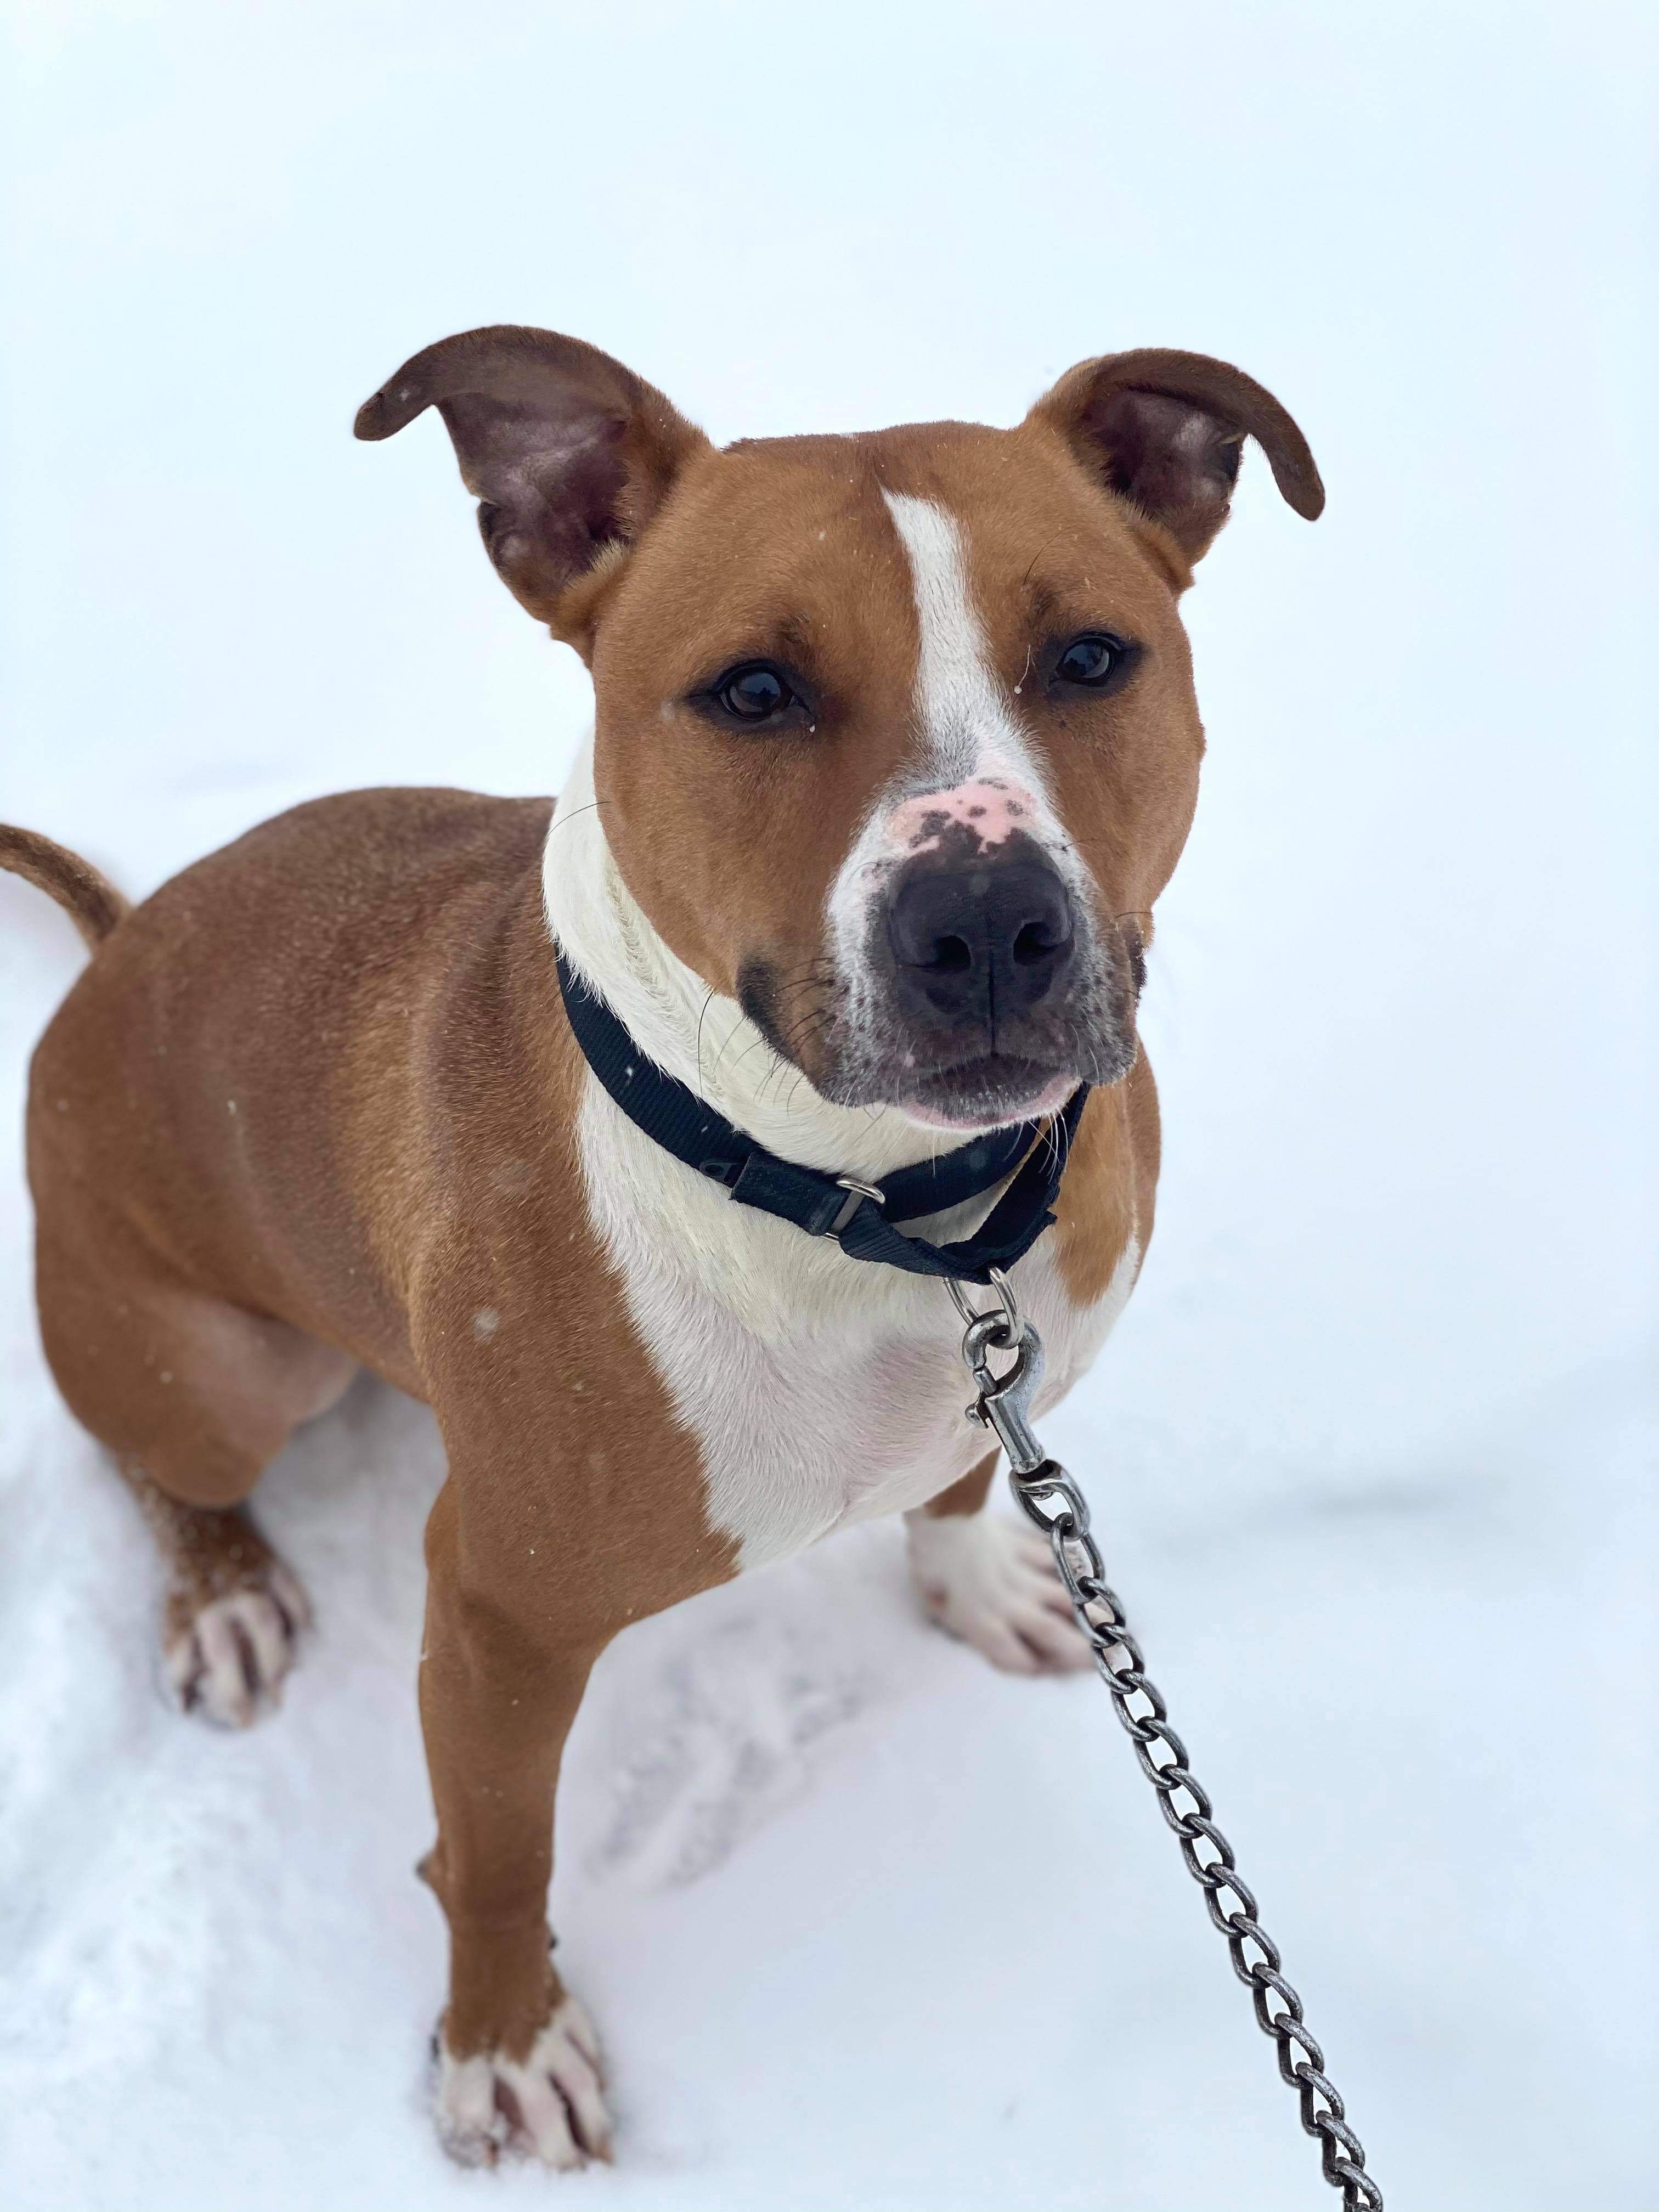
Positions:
(966, 721)
(229, 1665)
(993, 1584)
(555, 2097)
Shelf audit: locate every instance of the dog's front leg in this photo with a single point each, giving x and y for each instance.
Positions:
(518, 2061)
(991, 1581)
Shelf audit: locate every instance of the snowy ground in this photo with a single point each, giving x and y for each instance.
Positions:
(863, 1922)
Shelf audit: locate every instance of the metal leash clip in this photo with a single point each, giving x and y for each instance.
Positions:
(1048, 1496)
(1002, 1402)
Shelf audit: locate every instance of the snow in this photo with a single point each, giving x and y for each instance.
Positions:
(860, 1921)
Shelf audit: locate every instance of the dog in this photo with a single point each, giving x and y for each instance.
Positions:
(896, 745)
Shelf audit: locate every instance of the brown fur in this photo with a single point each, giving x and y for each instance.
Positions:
(365, 982)
(91, 902)
(1110, 1190)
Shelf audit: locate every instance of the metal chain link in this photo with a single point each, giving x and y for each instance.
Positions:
(1048, 1496)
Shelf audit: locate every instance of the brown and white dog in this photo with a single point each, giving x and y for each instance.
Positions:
(896, 746)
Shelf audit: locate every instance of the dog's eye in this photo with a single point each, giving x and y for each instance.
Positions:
(1089, 659)
(753, 693)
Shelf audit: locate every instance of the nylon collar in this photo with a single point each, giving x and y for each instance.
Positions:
(861, 1217)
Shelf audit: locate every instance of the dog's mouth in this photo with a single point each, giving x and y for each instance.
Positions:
(988, 1092)
(965, 1084)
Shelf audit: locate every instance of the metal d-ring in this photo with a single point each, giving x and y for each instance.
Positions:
(855, 1190)
(1005, 1291)
(865, 1189)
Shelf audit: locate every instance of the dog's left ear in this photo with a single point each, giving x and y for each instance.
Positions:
(569, 453)
(1164, 429)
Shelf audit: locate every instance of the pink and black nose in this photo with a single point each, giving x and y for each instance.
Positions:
(982, 939)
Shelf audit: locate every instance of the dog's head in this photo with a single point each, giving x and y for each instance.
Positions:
(896, 738)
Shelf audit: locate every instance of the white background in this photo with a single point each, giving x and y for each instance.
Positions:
(862, 1922)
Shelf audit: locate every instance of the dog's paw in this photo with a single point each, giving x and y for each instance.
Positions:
(993, 1584)
(549, 2104)
(226, 1659)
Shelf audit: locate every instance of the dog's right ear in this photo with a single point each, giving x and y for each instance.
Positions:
(569, 453)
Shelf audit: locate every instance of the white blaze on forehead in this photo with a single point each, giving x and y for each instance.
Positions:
(959, 701)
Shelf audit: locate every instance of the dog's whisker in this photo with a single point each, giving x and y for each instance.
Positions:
(560, 818)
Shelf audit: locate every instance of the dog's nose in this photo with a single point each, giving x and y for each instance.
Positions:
(985, 940)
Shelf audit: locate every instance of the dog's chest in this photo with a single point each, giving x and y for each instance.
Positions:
(820, 1390)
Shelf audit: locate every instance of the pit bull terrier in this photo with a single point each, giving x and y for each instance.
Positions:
(895, 747)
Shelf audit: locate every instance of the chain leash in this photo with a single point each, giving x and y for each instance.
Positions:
(1048, 1496)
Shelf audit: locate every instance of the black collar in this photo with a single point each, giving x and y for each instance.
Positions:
(860, 1217)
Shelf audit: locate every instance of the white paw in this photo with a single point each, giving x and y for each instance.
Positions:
(993, 1584)
(548, 2104)
(227, 1661)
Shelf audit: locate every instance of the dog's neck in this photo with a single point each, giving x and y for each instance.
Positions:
(696, 1033)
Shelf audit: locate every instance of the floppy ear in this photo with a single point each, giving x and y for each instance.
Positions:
(1164, 430)
(569, 453)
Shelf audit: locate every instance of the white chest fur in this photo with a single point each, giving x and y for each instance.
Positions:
(821, 1389)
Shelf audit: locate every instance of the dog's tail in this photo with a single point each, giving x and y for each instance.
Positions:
(94, 904)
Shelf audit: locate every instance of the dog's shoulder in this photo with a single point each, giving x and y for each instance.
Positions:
(354, 844)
